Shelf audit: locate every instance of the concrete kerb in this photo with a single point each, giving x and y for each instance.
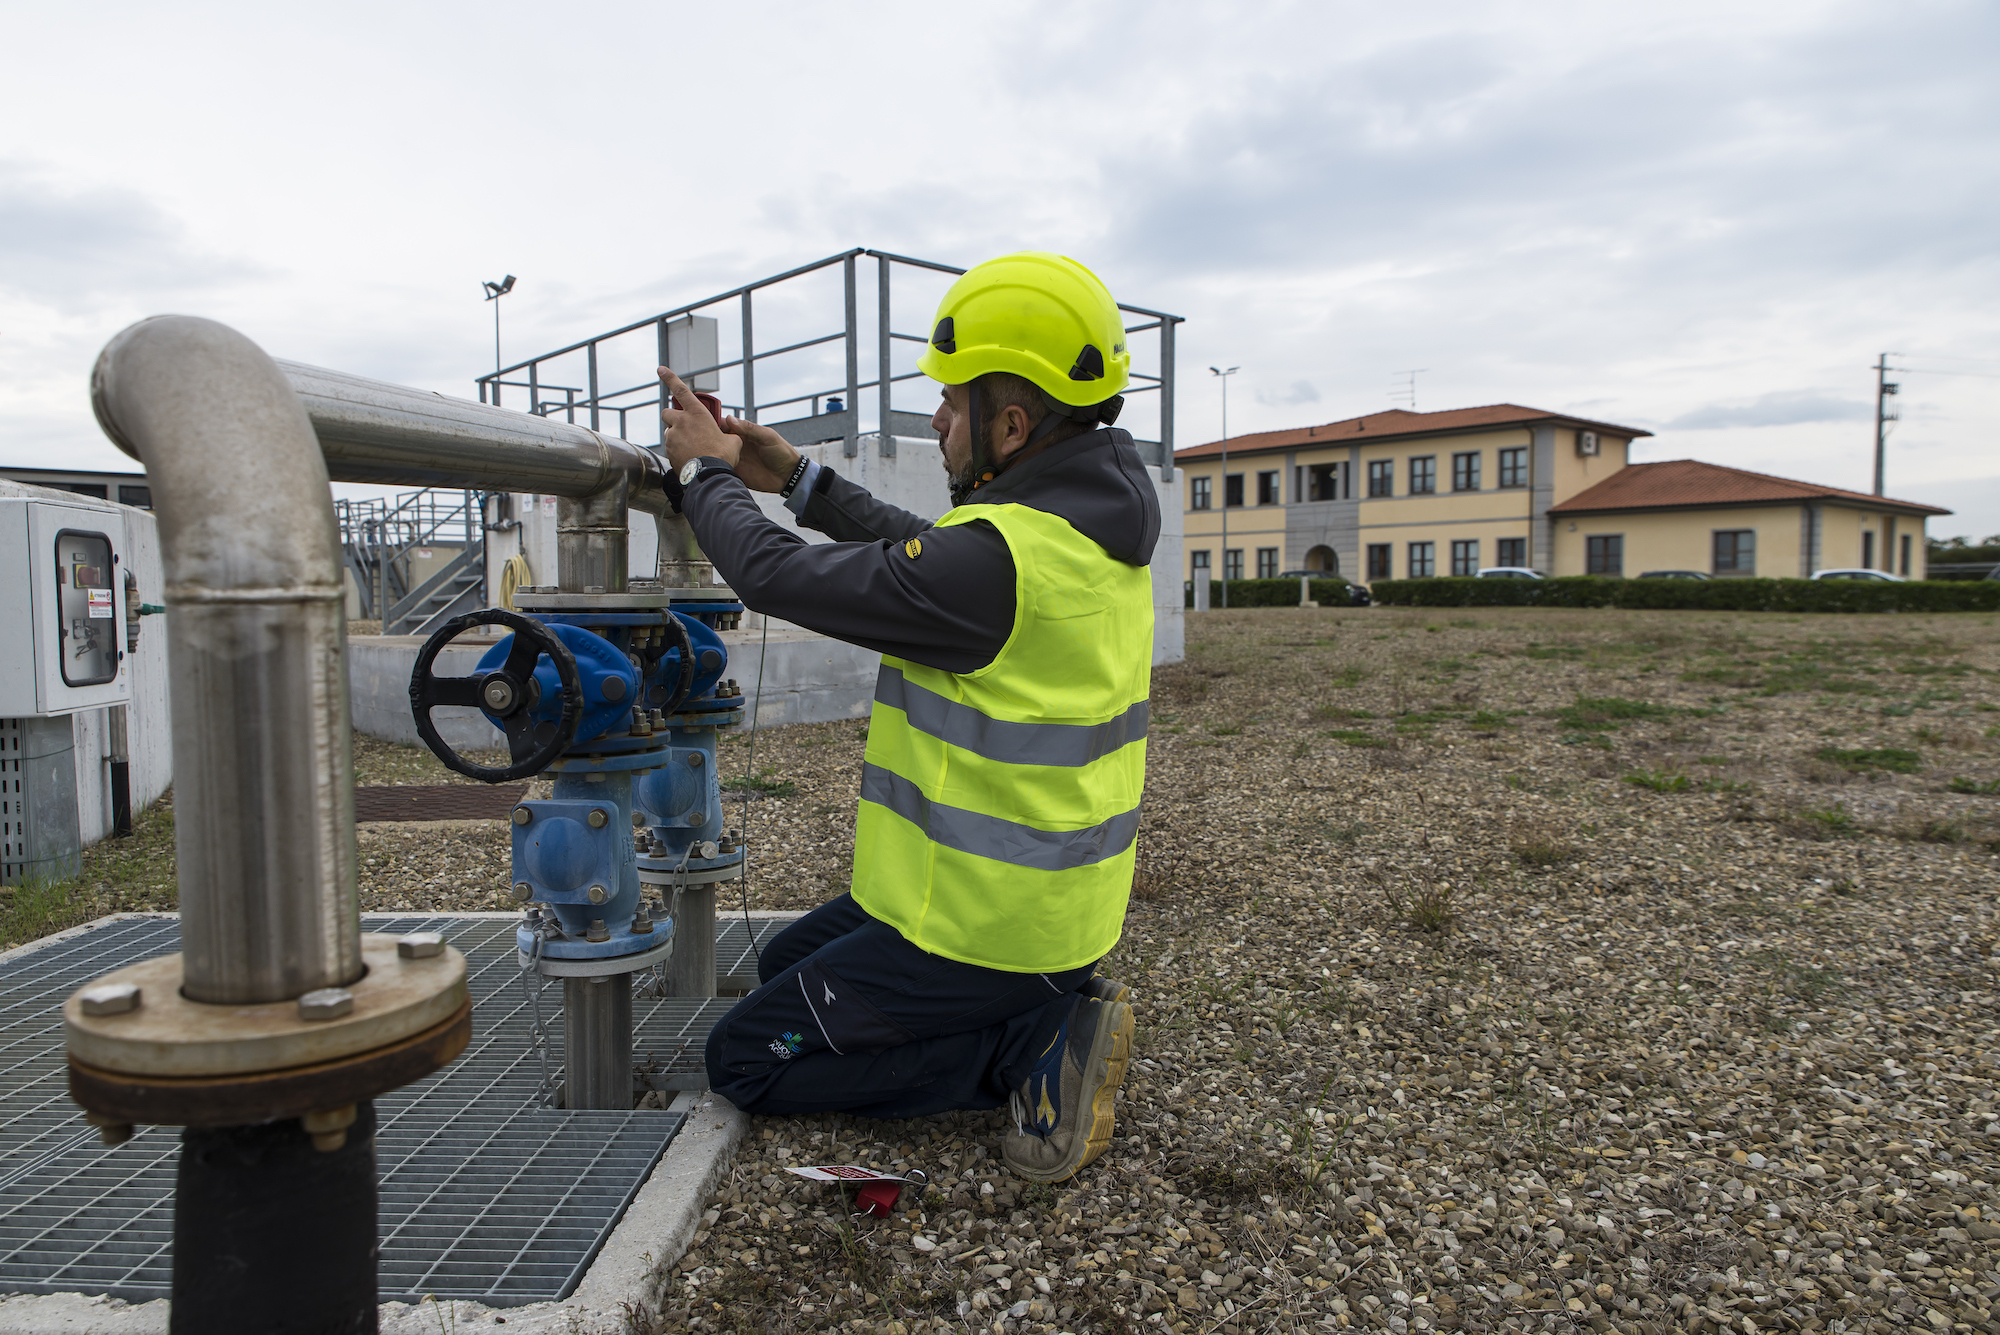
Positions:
(628, 1275)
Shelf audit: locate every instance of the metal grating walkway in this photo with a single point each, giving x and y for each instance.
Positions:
(483, 1197)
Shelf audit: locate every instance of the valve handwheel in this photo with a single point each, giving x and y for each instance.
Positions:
(509, 693)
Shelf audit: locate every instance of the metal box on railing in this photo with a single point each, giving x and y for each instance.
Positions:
(62, 600)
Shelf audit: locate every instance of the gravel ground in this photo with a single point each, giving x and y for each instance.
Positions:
(1497, 970)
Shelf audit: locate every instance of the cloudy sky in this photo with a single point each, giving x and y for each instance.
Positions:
(1701, 219)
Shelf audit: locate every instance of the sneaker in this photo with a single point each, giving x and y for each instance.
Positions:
(1106, 989)
(1063, 1113)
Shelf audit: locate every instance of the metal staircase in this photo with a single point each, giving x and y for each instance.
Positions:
(434, 539)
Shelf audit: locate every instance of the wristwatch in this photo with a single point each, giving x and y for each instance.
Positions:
(678, 483)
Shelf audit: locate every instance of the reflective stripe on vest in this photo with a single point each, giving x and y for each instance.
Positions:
(1067, 744)
(1000, 808)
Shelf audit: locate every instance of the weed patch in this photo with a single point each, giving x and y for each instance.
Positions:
(1894, 758)
(1660, 781)
(1988, 788)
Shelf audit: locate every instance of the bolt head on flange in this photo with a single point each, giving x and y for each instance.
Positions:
(327, 1003)
(523, 892)
(522, 815)
(598, 894)
(598, 820)
(420, 945)
(109, 999)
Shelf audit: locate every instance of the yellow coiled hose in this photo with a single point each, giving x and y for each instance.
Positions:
(513, 575)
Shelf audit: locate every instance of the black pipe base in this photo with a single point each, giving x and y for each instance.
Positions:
(273, 1236)
(121, 797)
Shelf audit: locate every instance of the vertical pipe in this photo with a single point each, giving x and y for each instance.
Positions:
(121, 774)
(1166, 400)
(535, 388)
(592, 542)
(691, 970)
(272, 1234)
(849, 446)
(749, 365)
(263, 769)
(597, 1042)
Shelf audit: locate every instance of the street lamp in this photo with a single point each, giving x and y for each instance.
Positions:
(1223, 375)
(495, 291)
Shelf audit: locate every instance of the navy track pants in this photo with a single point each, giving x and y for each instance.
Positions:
(851, 1017)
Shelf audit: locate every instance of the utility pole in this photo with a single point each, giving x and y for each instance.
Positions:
(1884, 387)
(1224, 499)
(495, 291)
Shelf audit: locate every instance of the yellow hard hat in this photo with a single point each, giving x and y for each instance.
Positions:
(1039, 316)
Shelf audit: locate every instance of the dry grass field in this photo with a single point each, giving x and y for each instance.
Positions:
(1502, 969)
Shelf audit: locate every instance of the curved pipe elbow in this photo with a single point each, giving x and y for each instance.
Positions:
(263, 772)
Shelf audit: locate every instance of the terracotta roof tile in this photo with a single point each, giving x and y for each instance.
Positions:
(1395, 423)
(1690, 482)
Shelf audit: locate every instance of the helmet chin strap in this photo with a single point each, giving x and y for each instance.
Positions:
(981, 469)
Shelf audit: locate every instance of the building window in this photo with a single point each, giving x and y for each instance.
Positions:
(1514, 467)
(1381, 477)
(1323, 481)
(1904, 561)
(1267, 489)
(1736, 551)
(1604, 554)
(1423, 475)
(1465, 471)
(1267, 563)
(1198, 563)
(1867, 550)
(1199, 492)
(1465, 557)
(1511, 552)
(1378, 560)
(1423, 560)
(1232, 490)
(1232, 563)
(139, 496)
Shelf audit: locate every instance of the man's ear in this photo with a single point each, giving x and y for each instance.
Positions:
(1012, 427)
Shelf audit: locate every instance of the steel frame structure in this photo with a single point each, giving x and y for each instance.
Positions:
(820, 422)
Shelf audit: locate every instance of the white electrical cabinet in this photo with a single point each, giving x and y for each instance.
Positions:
(62, 607)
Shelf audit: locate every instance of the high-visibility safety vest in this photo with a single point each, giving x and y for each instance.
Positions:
(1000, 808)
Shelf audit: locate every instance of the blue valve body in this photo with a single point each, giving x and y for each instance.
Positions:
(668, 777)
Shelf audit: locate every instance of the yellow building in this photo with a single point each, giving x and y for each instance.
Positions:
(1400, 495)
(1687, 515)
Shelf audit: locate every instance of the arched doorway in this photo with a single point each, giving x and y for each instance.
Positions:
(1323, 560)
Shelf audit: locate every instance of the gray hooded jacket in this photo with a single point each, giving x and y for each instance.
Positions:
(952, 606)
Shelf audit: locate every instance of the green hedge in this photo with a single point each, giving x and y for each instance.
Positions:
(1730, 595)
(1267, 592)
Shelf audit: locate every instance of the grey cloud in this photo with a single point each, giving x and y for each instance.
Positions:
(1784, 408)
(1299, 391)
(82, 248)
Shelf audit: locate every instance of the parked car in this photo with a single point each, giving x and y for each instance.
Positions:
(1357, 594)
(1510, 572)
(1675, 574)
(1855, 572)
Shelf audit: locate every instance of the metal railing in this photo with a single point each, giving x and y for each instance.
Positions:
(616, 368)
(380, 541)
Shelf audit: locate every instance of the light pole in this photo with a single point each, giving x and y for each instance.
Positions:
(495, 291)
(1884, 388)
(1223, 375)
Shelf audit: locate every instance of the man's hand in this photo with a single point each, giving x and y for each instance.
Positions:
(761, 457)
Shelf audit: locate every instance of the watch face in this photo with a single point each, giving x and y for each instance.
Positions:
(690, 471)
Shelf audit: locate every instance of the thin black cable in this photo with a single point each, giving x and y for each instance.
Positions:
(749, 780)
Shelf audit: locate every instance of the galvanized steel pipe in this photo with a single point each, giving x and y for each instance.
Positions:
(373, 431)
(263, 773)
